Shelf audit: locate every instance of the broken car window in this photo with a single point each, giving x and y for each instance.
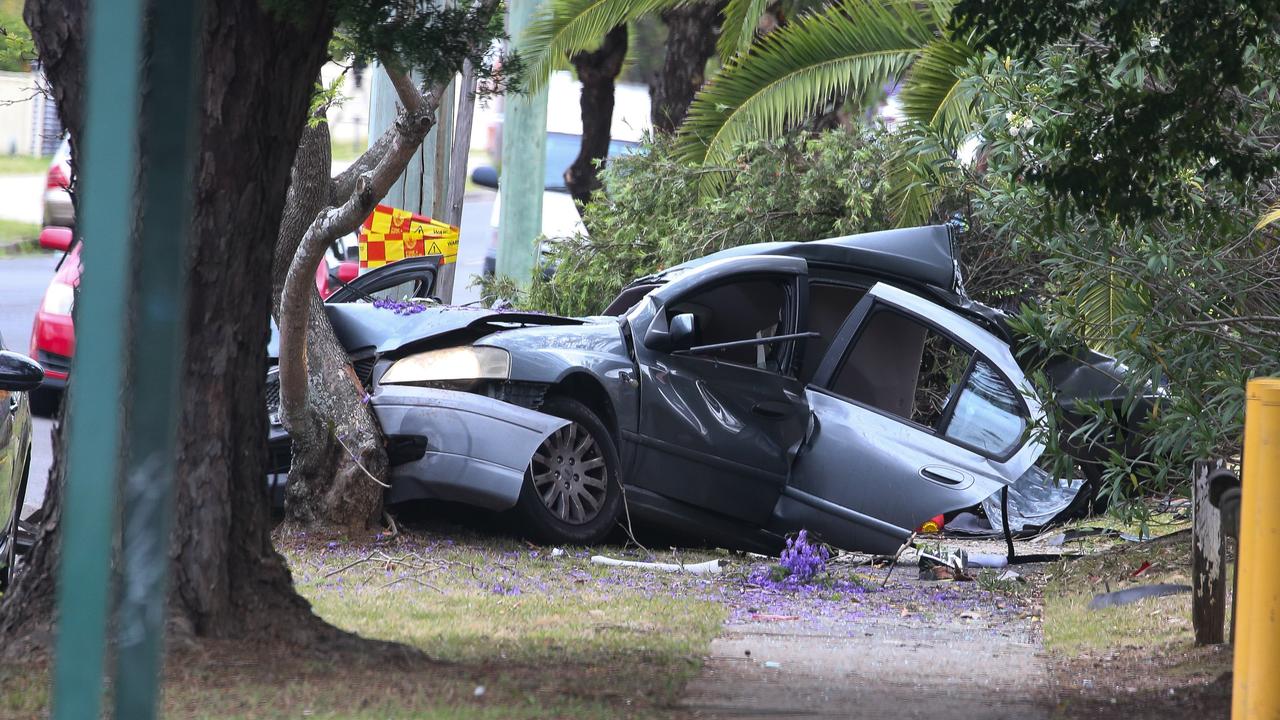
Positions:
(741, 310)
(989, 414)
(899, 366)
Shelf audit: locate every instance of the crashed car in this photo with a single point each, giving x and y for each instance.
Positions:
(845, 386)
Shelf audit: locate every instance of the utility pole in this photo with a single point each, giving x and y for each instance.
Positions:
(524, 159)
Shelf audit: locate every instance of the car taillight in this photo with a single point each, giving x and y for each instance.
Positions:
(56, 179)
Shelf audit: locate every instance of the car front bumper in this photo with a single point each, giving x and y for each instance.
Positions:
(467, 448)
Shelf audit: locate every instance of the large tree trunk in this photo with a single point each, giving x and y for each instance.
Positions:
(258, 71)
(339, 463)
(691, 41)
(597, 70)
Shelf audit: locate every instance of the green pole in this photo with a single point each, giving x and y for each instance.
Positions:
(169, 113)
(524, 159)
(93, 453)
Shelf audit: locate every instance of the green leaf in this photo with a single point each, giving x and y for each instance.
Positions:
(564, 27)
(935, 92)
(738, 26)
(849, 49)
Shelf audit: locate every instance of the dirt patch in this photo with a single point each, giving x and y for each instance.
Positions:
(1142, 682)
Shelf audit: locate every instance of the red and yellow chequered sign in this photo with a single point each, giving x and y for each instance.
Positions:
(390, 234)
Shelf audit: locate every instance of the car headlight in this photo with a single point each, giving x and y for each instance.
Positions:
(59, 299)
(457, 363)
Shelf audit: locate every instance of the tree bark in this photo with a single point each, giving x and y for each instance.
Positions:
(258, 70)
(597, 71)
(691, 41)
(339, 465)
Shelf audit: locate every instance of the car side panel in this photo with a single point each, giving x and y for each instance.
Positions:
(477, 448)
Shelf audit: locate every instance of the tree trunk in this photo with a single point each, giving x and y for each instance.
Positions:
(597, 71)
(337, 462)
(691, 41)
(258, 71)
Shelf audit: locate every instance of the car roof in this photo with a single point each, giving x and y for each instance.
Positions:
(922, 254)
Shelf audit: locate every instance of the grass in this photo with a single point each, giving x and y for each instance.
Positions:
(18, 237)
(23, 165)
(346, 149)
(545, 637)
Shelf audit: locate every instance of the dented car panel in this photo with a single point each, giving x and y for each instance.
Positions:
(477, 448)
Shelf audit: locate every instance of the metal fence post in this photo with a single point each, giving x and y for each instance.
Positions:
(93, 454)
(169, 114)
(1256, 693)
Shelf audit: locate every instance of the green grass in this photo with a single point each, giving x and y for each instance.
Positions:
(18, 237)
(23, 165)
(578, 641)
(1070, 627)
(344, 149)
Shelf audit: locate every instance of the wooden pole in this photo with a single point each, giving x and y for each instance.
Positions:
(1208, 559)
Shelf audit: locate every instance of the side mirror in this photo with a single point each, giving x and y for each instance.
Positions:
(19, 373)
(679, 333)
(56, 238)
(485, 176)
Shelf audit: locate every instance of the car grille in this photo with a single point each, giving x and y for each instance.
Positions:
(54, 361)
(364, 371)
(273, 395)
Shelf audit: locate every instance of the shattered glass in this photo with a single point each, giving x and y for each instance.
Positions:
(1035, 499)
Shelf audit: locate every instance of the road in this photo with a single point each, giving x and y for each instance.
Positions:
(23, 281)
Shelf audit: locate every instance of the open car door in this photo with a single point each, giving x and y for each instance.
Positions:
(401, 280)
(918, 413)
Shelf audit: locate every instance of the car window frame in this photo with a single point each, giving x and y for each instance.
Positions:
(864, 312)
(792, 301)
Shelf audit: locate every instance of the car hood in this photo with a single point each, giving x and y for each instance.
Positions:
(361, 326)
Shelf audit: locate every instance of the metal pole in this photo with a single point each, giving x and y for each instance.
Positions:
(1256, 694)
(93, 453)
(524, 139)
(169, 120)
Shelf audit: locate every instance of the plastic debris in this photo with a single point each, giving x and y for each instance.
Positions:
(772, 665)
(1011, 575)
(1134, 594)
(987, 560)
(479, 690)
(953, 567)
(557, 552)
(710, 567)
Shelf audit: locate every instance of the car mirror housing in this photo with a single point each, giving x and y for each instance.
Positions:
(485, 176)
(19, 373)
(56, 238)
(680, 333)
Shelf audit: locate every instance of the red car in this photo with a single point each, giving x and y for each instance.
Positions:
(53, 336)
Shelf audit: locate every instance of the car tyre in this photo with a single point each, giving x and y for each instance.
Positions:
(573, 468)
(10, 552)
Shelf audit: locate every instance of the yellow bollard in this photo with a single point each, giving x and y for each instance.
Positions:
(1256, 689)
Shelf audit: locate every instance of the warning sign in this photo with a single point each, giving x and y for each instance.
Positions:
(390, 234)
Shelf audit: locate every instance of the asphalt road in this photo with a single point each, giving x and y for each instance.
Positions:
(23, 281)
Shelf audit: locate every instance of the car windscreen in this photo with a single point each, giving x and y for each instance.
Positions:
(563, 149)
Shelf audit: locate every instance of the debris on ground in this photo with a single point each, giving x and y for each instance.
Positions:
(710, 567)
(1134, 594)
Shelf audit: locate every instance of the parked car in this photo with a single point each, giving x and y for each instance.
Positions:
(58, 209)
(846, 386)
(18, 376)
(53, 337)
(560, 217)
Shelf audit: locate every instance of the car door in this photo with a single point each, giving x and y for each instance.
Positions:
(918, 412)
(400, 280)
(719, 429)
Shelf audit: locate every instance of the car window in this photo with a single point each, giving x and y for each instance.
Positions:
(829, 305)
(989, 415)
(900, 366)
(563, 149)
(741, 310)
(400, 291)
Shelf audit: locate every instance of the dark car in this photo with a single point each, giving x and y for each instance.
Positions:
(846, 386)
(19, 375)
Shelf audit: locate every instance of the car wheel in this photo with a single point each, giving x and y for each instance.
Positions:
(572, 492)
(9, 555)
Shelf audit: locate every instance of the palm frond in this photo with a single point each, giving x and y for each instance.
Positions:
(738, 26)
(564, 27)
(846, 49)
(1271, 216)
(1099, 305)
(938, 94)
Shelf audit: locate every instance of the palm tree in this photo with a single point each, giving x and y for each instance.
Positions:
(770, 84)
